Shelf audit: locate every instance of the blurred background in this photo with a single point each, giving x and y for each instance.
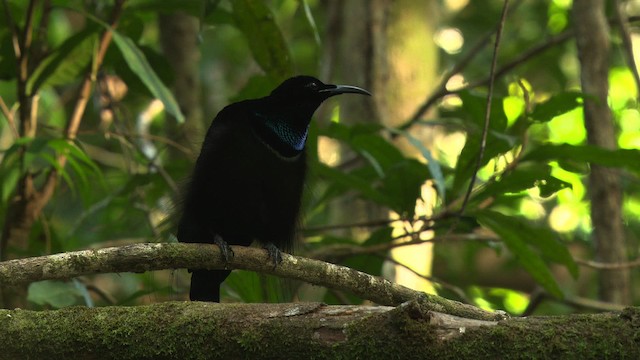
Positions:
(99, 130)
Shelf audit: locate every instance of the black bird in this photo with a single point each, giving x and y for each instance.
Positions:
(247, 182)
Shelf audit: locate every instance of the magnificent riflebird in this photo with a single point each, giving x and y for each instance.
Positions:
(248, 179)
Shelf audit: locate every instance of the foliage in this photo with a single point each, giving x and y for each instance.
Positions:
(121, 178)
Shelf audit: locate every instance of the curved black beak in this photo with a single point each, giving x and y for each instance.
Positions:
(332, 90)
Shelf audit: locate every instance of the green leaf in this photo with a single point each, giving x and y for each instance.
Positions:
(432, 164)
(556, 105)
(403, 184)
(57, 294)
(257, 23)
(496, 144)
(67, 63)
(522, 178)
(365, 140)
(353, 182)
(620, 158)
(11, 167)
(518, 235)
(140, 66)
(474, 108)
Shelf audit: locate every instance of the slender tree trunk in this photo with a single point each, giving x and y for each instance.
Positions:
(386, 47)
(592, 35)
(179, 39)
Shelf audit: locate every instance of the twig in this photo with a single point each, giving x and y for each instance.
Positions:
(85, 89)
(71, 129)
(363, 224)
(441, 89)
(538, 296)
(345, 250)
(485, 130)
(454, 289)
(609, 266)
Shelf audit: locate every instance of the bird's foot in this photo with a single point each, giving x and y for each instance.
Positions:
(274, 253)
(225, 250)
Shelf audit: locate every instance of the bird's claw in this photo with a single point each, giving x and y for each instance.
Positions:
(225, 250)
(274, 254)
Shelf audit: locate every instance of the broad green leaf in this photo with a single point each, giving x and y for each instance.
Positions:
(522, 178)
(557, 104)
(57, 294)
(621, 158)
(9, 180)
(541, 238)
(496, 144)
(11, 167)
(403, 184)
(252, 287)
(350, 181)
(366, 141)
(525, 256)
(474, 108)
(518, 235)
(74, 151)
(257, 23)
(67, 63)
(140, 66)
(432, 164)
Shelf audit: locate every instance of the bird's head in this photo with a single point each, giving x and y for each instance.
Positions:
(285, 114)
(311, 91)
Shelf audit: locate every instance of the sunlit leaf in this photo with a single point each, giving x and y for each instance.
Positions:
(556, 105)
(622, 158)
(474, 108)
(524, 177)
(468, 158)
(403, 183)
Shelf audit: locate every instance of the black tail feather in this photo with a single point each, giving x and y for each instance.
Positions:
(205, 284)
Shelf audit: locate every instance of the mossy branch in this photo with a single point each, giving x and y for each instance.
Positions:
(159, 256)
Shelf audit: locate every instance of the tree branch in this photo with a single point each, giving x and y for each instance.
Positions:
(179, 330)
(154, 256)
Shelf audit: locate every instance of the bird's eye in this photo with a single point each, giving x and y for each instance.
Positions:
(312, 85)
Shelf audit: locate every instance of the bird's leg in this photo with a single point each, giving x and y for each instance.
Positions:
(225, 250)
(274, 253)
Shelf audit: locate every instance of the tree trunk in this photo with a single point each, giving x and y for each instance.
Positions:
(386, 47)
(592, 36)
(179, 40)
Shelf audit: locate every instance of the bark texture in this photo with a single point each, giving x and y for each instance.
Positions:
(146, 257)
(192, 330)
(592, 36)
(179, 40)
